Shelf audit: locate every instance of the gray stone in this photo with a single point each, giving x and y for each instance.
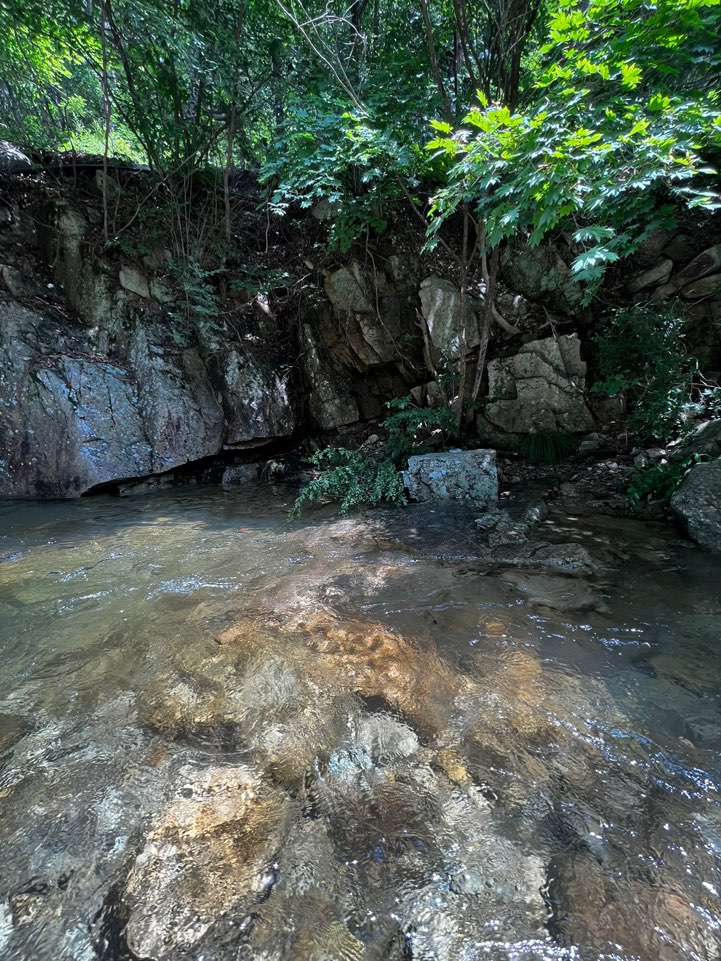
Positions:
(158, 258)
(457, 475)
(569, 559)
(654, 276)
(441, 308)
(331, 400)
(134, 280)
(70, 420)
(540, 388)
(709, 286)
(514, 522)
(369, 319)
(161, 291)
(12, 158)
(679, 249)
(541, 275)
(256, 402)
(19, 284)
(655, 453)
(351, 289)
(697, 504)
(386, 740)
(592, 442)
(239, 474)
(705, 440)
(663, 292)
(706, 263)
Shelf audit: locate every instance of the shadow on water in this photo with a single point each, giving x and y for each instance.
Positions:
(227, 737)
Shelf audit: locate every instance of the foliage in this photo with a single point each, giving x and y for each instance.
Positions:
(640, 353)
(127, 246)
(410, 428)
(546, 446)
(616, 135)
(352, 159)
(253, 281)
(658, 482)
(352, 479)
(179, 79)
(200, 300)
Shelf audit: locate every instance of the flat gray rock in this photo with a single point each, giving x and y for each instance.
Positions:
(457, 475)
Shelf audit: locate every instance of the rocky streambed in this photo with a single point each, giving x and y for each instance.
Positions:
(227, 737)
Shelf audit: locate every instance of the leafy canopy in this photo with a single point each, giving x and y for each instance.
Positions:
(620, 130)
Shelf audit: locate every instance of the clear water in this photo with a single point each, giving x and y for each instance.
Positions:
(224, 737)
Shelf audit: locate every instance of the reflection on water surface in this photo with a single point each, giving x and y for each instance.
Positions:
(223, 737)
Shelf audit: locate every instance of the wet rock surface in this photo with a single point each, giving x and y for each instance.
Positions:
(338, 740)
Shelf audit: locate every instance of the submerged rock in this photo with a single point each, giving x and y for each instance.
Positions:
(210, 852)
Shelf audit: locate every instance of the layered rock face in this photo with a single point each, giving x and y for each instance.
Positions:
(102, 378)
(95, 385)
(74, 420)
(107, 375)
(541, 388)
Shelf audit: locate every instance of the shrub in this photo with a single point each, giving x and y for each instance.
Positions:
(410, 428)
(658, 482)
(640, 353)
(352, 479)
(546, 446)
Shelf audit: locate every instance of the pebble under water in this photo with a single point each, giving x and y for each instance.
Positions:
(227, 737)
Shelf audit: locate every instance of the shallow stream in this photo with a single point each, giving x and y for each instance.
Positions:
(224, 737)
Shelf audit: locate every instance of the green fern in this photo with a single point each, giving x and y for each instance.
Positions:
(351, 479)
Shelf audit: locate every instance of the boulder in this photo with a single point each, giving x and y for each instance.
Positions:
(542, 275)
(373, 312)
(706, 440)
(513, 523)
(351, 289)
(240, 474)
(654, 276)
(679, 249)
(11, 158)
(134, 281)
(18, 283)
(255, 398)
(331, 402)
(706, 263)
(71, 419)
(458, 475)
(709, 286)
(539, 389)
(441, 308)
(697, 504)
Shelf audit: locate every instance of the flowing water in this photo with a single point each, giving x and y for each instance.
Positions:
(225, 737)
